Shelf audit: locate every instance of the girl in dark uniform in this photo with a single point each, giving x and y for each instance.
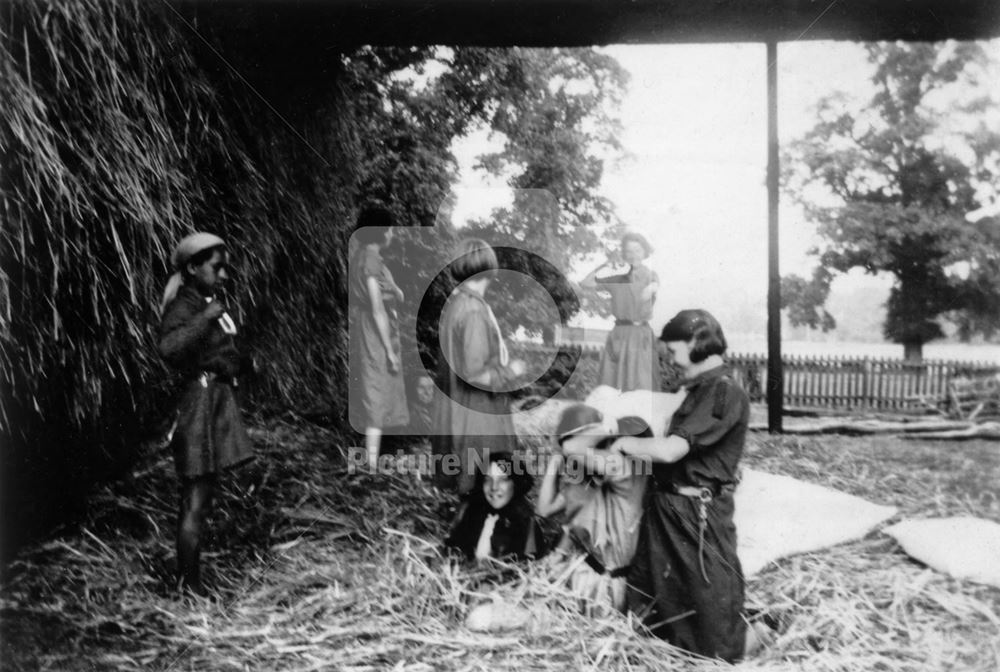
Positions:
(197, 340)
(686, 579)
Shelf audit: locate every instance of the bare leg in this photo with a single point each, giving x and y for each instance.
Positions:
(196, 498)
(373, 439)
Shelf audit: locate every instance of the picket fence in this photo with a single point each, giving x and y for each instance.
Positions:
(835, 382)
(858, 382)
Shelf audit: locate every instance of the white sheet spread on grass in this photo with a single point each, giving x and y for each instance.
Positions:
(963, 547)
(778, 516)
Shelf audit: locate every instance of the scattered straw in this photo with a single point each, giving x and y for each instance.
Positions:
(315, 568)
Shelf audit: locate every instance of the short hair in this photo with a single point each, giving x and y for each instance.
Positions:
(372, 220)
(473, 256)
(514, 467)
(700, 326)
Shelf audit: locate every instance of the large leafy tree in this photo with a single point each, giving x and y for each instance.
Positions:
(554, 111)
(558, 127)
(891, 186)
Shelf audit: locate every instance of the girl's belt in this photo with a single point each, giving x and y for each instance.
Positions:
(629, 323)
(694, 492)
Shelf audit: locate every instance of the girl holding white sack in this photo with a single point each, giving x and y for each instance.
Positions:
(686, 576)
(600, 495)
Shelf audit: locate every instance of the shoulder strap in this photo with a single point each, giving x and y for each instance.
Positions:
(719, 407)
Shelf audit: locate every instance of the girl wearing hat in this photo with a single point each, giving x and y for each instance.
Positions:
(601, 498)
(375, 369)
(629, 360)
(686, 576)
(197, 340)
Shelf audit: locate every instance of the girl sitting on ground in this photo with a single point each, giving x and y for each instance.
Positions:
(601, 497)
(497, 520)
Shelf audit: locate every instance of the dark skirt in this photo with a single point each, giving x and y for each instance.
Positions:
(667, 587)
(210, 436)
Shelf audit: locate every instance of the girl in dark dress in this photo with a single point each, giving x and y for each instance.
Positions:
(686, 578)
(197, 340)
(497, 521)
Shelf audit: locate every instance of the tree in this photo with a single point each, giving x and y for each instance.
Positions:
(558, 127)
(554, 110)
(891, 187)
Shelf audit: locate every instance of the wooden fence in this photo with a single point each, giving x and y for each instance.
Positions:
(845, 383)
(858, 382)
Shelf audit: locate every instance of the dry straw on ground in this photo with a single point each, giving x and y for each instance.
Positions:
(315, 568)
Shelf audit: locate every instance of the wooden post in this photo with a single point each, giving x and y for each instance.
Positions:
(775, 379)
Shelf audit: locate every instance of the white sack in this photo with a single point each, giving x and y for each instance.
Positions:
(778, 516)
(962, 547)
(656, 408)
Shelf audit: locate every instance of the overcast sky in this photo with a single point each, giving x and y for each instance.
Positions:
(692, 181)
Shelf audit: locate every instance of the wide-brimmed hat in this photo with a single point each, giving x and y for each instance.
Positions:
(638, 238)
(192, 245)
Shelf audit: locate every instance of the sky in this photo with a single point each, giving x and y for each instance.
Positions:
(693, 176)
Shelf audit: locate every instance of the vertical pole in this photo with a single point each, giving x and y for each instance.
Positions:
(775, 378)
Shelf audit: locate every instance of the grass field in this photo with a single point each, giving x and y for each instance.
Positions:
(314, 568)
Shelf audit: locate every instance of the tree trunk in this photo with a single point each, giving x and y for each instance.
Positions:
(913, 352)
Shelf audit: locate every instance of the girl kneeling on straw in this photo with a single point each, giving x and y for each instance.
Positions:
(686, 578)
(197, 340)
(601, 496)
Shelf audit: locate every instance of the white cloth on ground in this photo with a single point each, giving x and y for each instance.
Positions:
(963, 547)
(777, 516)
